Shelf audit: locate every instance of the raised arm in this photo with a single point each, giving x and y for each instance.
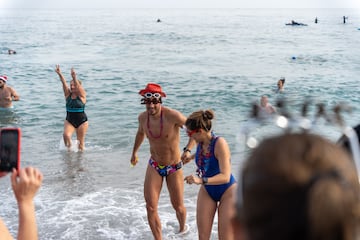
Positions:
(25, 184)
(78, 86)
(63, 81)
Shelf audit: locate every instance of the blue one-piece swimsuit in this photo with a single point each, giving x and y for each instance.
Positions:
(208, 166)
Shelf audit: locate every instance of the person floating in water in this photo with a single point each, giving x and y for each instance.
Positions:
(158, 20)
(316, 20)
(344, 19)
(10, 52)
(280, 85)
(293, 23)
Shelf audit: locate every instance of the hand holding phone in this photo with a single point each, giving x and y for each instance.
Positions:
(9, 149)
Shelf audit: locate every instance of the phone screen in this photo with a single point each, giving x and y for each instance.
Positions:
(9, 149)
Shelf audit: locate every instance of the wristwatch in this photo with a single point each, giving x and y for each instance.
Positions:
(204, 180)
(185, 149)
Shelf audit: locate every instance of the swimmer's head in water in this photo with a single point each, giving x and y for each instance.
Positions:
(281, 82)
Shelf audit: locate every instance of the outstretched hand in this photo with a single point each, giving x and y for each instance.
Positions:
(57, 69)
(73, 74)
(25, 183)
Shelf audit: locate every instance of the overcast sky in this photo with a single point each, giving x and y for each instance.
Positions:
(180, 4)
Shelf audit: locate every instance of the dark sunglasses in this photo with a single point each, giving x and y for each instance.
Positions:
(151, 100)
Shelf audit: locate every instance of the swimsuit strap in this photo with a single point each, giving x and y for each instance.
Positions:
(161, 125)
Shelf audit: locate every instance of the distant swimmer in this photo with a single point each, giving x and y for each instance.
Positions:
(293, 23)
(280, 85)
(316, 20)
(344, 19)
(158, 20)
(7, 94)
(265, 106)
(10, 51)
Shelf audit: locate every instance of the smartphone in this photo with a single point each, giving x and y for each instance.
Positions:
(9, 149)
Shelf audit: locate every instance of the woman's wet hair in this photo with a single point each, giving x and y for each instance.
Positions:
(200, 120)
(299, 186)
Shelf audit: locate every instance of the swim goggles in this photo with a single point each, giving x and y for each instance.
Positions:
(152, 95)
(191, 132)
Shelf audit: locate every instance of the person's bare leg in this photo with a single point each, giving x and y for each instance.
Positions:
(175, 185)
(226, 211)
(152, 188)
(68, 131)
(80, 135)
(205, 212)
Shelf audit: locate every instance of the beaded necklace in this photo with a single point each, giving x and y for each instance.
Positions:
(161, 125)
(203, 157)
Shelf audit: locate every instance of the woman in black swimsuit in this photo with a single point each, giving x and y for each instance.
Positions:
(76, 119)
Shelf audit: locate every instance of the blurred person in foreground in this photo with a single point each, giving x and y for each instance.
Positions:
(25, 184)
(298, 186)
(344, 141)
(213, 161)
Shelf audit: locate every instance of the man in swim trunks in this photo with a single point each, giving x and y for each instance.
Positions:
(76, 119)
(161, 125)
(7, 94)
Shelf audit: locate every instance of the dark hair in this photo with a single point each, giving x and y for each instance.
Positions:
(303, 184)
(200, 120)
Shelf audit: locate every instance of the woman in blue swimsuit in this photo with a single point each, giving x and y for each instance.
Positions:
(76, 119)
(213, 163)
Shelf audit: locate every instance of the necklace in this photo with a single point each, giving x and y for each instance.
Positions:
(204, 157)
(161, 125)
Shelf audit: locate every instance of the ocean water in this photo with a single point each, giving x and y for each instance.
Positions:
(223, 59)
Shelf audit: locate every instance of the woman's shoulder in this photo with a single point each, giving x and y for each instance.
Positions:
(220, 141)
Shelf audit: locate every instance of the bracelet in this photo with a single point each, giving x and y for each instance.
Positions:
(204, 180)
(185, 149)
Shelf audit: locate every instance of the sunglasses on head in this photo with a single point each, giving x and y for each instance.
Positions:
(151, 100)
(152, 95)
